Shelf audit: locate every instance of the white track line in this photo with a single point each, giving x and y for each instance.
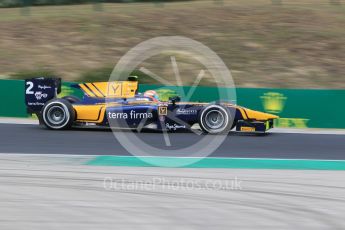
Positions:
(309, 131)
(21, 121)
(91, 156)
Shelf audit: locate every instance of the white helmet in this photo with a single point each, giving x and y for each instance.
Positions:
(152, 94)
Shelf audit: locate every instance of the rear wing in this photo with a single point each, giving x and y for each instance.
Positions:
(116, 89)
(40, 90)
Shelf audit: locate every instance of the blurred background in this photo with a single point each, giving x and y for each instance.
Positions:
(265, 43)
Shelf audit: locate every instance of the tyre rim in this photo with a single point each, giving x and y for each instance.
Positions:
(56, 115)
(214, 119)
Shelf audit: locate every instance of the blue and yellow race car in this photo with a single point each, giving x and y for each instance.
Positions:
(119, 105)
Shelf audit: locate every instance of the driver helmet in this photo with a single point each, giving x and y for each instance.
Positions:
(152, 94)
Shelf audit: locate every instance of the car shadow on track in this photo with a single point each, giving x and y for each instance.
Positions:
(146, 130)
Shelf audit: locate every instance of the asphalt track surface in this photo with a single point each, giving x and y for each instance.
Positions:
(19, 138)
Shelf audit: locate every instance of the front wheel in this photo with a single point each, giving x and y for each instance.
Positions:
(215, 119)
(58, 114)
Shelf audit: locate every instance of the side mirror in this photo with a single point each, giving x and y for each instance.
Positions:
(132, 78)
(174, 99)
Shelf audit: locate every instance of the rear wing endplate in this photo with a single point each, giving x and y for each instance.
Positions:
(40, 90)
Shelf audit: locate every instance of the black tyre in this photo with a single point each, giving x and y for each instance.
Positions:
(58, 114)
(40, 119)
(215, 119)
(234, 123)
(72, 99)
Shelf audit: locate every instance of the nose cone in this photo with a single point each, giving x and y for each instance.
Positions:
(256, 115)
(271, 116)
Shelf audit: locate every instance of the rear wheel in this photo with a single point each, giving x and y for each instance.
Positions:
(215, 119)
(40, 119)
(58, 114)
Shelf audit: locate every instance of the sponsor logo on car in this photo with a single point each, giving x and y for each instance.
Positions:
(39, 95)
(44, 87)
(247, 129)
(174, 126)
(131, 115)
(163, 110)
(35, 103)
(186, 111)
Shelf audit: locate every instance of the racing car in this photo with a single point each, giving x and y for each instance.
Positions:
(118, 104)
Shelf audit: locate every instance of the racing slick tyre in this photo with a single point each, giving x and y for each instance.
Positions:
(215, 119)
(72, 99)
(40, 119)
(58, 114)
